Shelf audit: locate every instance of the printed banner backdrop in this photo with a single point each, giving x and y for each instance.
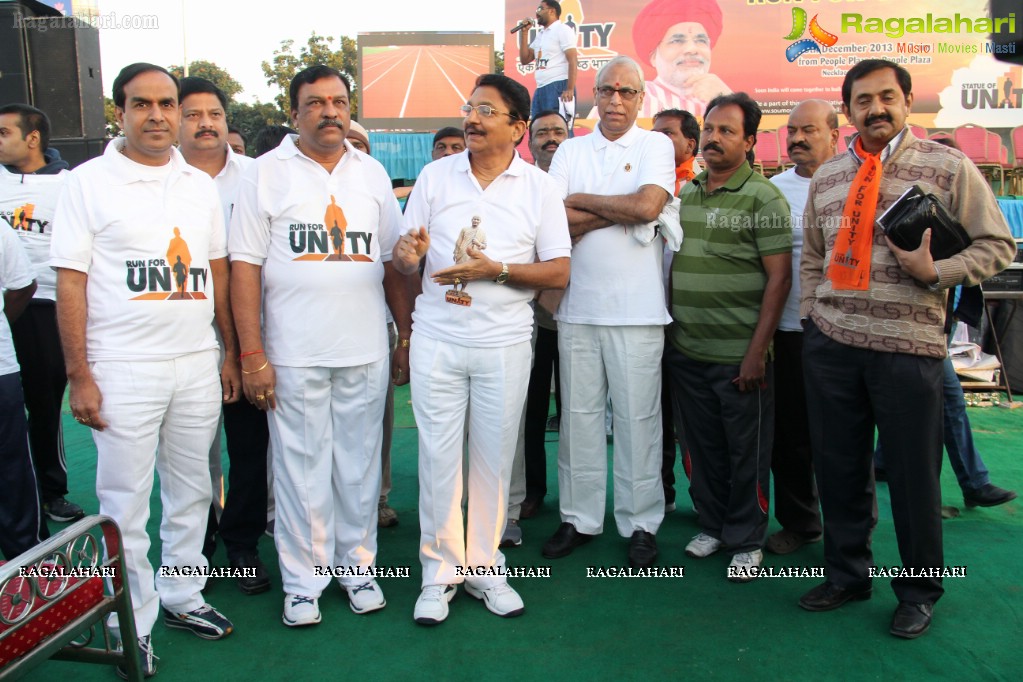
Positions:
(782, 52)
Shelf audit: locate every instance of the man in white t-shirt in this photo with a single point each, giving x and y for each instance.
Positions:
(140, 349)
(812, 139)
(22, 525)
(471, 347)
(31, 179)
(318, 362)
(240, 519)
(611, 321)
(556, 59)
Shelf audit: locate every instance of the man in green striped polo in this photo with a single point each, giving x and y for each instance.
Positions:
(729, 284)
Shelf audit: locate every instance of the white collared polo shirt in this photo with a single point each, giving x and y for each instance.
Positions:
(616, 280)
(321, 239)
(523, 217)
(145, 236)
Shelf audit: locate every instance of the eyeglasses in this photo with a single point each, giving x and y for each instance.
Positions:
(484, 110)
(607, 92)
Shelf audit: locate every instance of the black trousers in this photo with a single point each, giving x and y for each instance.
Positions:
(795, 491)
(22, 525)
(673, 436)
(44, 379)
(849, 391)
(538, 401)
(729, 435)
(244, 517)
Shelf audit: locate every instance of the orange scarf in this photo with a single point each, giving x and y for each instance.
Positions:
(684, 173)
(849, 268)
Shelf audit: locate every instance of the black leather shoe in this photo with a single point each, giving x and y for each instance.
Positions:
(257, 579)
(911, 619)
(529, 507)
(987, 496)
(828, 596)
(565, 539)
(642, 549)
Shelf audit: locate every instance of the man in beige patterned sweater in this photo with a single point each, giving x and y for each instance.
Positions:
(874, 342)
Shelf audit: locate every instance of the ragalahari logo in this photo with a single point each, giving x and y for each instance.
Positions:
(818, 35)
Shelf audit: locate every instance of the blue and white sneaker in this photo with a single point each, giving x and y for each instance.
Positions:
(432, 605)
(300, 610)
(146, 656)
(205, 622)
(365, 597)
(501, 599)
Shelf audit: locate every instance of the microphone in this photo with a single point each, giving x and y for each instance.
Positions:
(525, 23)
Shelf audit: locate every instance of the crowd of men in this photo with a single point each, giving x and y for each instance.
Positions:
(288, 294)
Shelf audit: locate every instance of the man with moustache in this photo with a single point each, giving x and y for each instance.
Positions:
(675, 39)
(474, 356)
(203, 141)
(616, 182)
(874, 341)
(142, 360)
(529, 475)
(729, 283)
(812, 138)
(319, 361)
(556, 58)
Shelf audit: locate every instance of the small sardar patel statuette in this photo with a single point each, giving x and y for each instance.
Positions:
(470, 237)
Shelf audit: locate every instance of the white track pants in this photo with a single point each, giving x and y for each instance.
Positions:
(325, 437)
(625, 364)
(446, 380)
(162, 415)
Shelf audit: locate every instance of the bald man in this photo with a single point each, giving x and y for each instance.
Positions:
(812, 139)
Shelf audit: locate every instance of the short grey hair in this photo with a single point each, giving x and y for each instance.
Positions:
(625, 61)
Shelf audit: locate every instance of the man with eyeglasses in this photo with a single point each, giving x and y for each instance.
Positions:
(471, 350)
(611, 321)
(554, 51)
(319, 365)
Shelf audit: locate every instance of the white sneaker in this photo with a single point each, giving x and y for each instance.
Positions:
(744, 566)
(702, 545)
(500, 599)
(301, 610)
(365, 597)
(432, 605)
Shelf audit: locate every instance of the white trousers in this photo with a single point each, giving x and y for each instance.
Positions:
(517, 489)
(623, 363)
(491, 383)
(161, 415)
(325, 438)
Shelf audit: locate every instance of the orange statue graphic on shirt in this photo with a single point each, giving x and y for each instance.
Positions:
(22, 216)
(179, 259)
(336, 224)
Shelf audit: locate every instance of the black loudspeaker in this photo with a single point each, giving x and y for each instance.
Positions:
(78, 150)
(1008, 45)
(65, 78)
(13, 56)
(1007, 318)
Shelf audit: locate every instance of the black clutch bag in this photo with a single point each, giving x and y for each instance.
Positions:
(905, 221)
